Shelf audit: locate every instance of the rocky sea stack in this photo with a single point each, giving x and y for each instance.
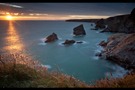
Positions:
(79, 30)
(69, 42)
(51, 38)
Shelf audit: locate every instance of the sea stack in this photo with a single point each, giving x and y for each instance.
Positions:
(69, 42)
(79, 30)
(51, 38)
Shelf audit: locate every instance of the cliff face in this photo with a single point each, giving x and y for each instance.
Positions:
(120, 48)
(121, 23)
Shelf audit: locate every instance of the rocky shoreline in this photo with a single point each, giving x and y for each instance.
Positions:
(119, 47)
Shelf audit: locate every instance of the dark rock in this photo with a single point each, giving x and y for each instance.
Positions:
(121, 24)
(51, 38)
(100, 24)
(79, 42)
(91, 24)
(120, 49)
(132, 15)
(94, 29)
(79, 30)
(68, 42)
(103, 43)
(99, 54)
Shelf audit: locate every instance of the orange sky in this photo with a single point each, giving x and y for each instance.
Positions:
(51, 17)
(63, 11)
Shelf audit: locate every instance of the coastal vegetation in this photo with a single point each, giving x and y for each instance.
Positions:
(18, 70)
(16, 73)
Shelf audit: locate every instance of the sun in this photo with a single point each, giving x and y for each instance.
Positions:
(9, 17)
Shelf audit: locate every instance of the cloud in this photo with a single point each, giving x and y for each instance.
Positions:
(11, 5)
(88, 16)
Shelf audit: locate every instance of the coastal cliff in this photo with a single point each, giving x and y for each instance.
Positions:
(120, 47)
(120, 24)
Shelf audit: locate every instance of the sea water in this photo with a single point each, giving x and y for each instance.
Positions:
(77, 60)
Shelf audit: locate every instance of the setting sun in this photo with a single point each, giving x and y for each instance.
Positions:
(9, 17)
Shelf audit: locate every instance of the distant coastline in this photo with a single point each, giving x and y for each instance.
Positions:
(82, 20)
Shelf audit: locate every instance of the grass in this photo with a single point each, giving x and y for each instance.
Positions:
(127, 81)
(20, 71)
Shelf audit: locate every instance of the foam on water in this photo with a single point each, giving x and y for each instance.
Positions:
(47, 66)
(42, 41)
(59, 38)
(118, 72)
(98, 50)
(84, 42)
(72, 35)
(97, 32)
(42, 44)
(95, 57)
(60, 43)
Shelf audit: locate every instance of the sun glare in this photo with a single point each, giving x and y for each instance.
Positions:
(9, 17)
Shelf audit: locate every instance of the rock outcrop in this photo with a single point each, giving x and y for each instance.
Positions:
(79, 30)
(103, 43)
(100, 24)
(69, 42)
(79, 42)
(51, 38)
(120, 48)
(132, 15)
(120, 24)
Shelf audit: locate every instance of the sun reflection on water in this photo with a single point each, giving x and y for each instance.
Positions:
(15, 50)
(13, 39)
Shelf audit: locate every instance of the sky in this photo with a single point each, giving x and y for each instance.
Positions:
(63, 11)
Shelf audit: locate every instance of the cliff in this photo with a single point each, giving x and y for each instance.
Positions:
(120, 24)
(120, 48)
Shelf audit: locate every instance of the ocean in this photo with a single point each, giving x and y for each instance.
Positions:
(77, 60)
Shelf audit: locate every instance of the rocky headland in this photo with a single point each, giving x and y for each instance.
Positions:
(119, 24)
(119, 47)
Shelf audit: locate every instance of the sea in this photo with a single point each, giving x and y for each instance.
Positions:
(77, 60)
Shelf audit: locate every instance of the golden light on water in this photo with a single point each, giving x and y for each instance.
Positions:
(15, 47)
(13, 39)
(9, 17)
